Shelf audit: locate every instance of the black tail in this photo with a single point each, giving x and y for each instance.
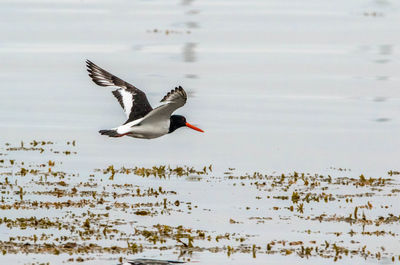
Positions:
(111, 133)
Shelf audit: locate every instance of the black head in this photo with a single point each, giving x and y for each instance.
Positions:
(177, 121)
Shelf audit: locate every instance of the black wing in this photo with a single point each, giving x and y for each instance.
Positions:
(132, 100)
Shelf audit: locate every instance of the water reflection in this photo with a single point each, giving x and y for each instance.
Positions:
(193, 12)
(191, 76)
(382, 78)
(187, 2)
(382, 119)
(382, 61)
(383, 2)
(189, 53)
(379, 99)
(385, 49)
(380, 54)
(192, 25)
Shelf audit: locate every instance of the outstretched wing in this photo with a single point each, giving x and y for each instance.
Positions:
(172, 101)
(132, 100)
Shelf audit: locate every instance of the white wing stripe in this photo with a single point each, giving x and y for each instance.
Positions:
(127, 100)
(125, 92)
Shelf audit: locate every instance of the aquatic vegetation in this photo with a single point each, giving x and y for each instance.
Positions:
(157, 171)
(111, 210)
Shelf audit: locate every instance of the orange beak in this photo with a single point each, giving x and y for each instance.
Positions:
(194, 127)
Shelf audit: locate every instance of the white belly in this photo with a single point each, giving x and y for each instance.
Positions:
(145, 130)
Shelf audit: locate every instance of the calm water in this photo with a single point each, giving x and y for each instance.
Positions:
(277, 85)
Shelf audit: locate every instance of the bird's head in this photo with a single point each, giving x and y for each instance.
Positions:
(178, 121)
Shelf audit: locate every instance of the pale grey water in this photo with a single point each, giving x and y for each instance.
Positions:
(276, 85)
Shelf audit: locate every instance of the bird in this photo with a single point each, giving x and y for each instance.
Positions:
(143, 121)
(150, 262)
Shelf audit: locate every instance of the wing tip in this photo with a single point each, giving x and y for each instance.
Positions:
(92, 68)
(89, 66)
(178, 89)
(89, 63)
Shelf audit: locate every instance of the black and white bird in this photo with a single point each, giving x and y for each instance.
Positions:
(150, 262)
(143, 121)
